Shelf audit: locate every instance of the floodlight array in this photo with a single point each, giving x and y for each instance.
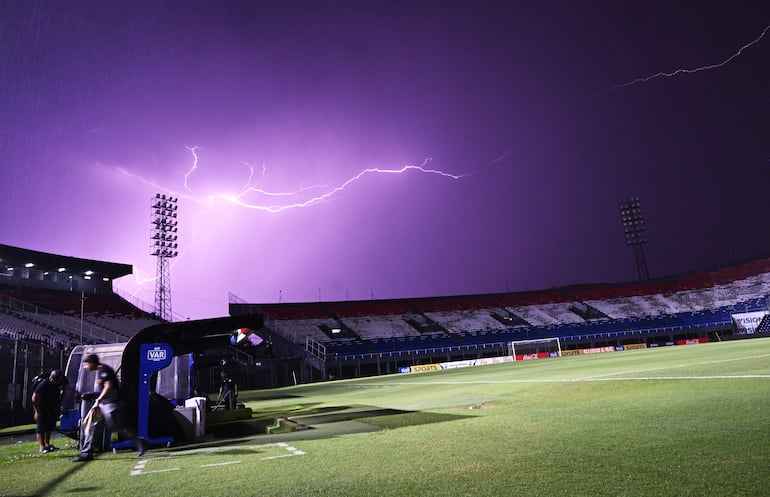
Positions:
(633, 222)
(163, 240)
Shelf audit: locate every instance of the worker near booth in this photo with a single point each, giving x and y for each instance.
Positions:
(228, 391)
(108, 403)
(46, 402)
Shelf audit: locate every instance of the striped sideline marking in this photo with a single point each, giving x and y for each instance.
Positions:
(139, 469)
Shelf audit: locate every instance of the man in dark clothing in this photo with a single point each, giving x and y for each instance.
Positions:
(108, 403)
(46, 401)
(228, 392)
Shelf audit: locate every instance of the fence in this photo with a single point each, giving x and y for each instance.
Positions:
(21, 362)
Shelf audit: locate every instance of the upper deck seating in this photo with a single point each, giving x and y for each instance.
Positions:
(547, 314)
(466, 320)
(373, 327)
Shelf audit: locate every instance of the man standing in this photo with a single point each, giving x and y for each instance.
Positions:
(108, 403)
(228, 392)
(46, 401)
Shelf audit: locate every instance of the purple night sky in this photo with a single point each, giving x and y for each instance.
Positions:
(105, 103)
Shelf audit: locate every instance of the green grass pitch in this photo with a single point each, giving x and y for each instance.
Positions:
(675, 421)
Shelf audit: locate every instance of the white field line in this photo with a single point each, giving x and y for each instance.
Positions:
(219, 464)
(685, 366)
(714, 377)
(579, 380)
(216, 450)
(138, 473)
(280, 457)
(139, 469)
(609, 376)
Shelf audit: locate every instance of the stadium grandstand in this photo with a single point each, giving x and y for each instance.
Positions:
(363, 338)
(50, 303)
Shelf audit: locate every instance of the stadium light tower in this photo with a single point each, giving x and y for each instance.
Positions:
(636, 234)
(163, 245)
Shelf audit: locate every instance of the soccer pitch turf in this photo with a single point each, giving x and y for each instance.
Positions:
(674, 421)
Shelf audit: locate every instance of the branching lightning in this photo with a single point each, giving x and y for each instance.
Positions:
(678, 72)
(249, 194)
(245, 197)
(239, 199)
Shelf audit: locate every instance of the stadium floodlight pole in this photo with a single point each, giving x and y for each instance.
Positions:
(635, 232)
(163, 245)
(82, 306)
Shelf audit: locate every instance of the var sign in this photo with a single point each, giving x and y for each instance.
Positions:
(156, 354)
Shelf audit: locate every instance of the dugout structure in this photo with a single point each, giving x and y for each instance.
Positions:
(143, 364)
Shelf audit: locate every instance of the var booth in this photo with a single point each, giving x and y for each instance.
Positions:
(156, 370)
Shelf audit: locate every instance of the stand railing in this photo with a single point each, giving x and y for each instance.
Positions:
(73, 327)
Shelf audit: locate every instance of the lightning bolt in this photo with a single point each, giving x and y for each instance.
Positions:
(193, 151)
(678, 72)
(248, 191)
(251, 173)
(249, 194)
(155, 186)
(500, 158)
(239, 198)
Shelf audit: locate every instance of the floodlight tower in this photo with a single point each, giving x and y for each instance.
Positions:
(636, 234)
(163, 245)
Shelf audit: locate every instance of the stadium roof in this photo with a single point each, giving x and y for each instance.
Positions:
(43, 261)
